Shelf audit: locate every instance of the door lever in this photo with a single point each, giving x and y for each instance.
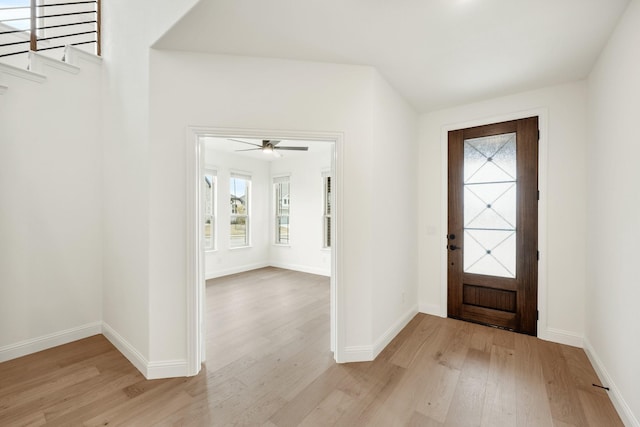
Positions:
(453, 247)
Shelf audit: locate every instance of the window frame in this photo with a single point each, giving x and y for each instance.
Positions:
(275, 182)
(213, 173)
(235, 216)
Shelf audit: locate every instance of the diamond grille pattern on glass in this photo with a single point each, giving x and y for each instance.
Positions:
(490, 205)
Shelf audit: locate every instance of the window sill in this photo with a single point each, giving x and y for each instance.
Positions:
(240, 247)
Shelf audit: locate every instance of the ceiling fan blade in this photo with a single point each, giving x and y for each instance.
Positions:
(276, 154)
(272, 141)
(251, 149)
(245, 142)
(292, 148)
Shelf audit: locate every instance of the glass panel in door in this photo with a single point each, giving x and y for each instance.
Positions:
(490, 187)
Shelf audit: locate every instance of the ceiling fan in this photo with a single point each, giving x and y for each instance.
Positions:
(269, 146)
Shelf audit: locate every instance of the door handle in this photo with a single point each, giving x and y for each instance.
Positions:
(453, 247)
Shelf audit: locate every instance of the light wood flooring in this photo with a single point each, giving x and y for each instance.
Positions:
(269, 364)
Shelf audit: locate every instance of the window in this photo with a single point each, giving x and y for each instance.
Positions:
(281, 191)
(210, 191)
(326, 215)
(239, 188)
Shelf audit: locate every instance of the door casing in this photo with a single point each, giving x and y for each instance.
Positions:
(195, 262)
(498, 295)
(543, 125)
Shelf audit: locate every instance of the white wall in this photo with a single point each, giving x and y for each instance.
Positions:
(240, 92)
(237, 92)
(394, 208)
(562, 165)
(224, 260)
(129, 29)
(50, 210)
(613, 324)
(304, 251)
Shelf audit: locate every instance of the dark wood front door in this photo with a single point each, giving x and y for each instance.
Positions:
(492, 261)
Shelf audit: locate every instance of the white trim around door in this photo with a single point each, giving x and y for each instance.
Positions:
(543, 120)
(195, 261)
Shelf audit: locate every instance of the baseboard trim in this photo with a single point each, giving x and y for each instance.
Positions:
(358, 353)
(562, 337)
(302, 268)
(127, 350)
(393, 331)
(235, 270)
(367, 353)
(150, 370)
(245, 268)
(166, 369)
(432, 309)
(34, 345)
(627, 416)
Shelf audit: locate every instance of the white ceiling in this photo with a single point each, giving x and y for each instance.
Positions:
(227, 145)
(436, 53)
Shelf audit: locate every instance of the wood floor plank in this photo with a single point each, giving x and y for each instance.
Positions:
(500, 408)
(598, 409)
(364, 413)
(482, 338)
(328, 411)
(560, 384)
(307, 399)
(456, 352)
(261, 409)
(268, 363)
(440, 389)
(400, 339)
(409, 350)
(582, 373)
(32, 366)
(46, 388)
(442, 380)
(416, 389)
(532, 404)
(54, 405)
(103, 403)
(420, 420)
(369, 384)
(468, 400)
